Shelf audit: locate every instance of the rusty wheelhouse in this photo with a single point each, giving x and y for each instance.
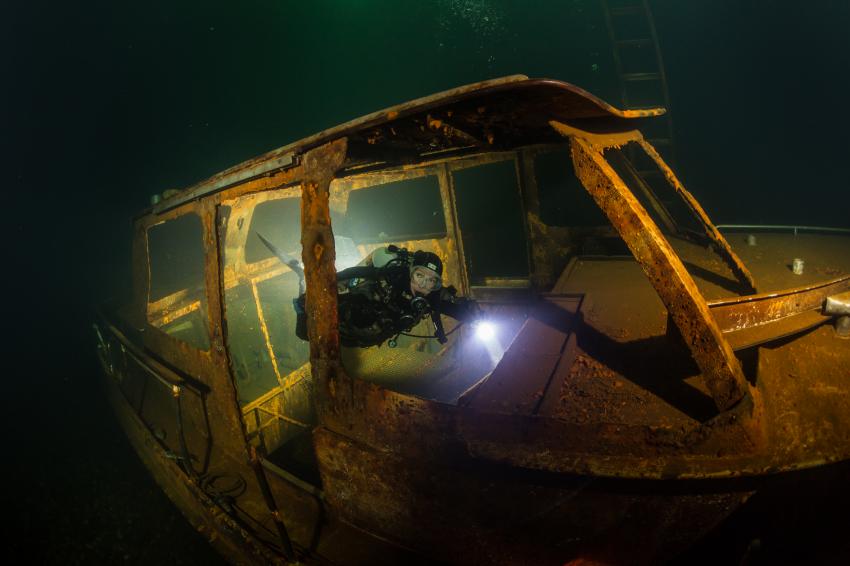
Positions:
(677, 357)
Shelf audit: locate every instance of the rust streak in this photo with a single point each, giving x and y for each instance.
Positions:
(265, 330)
(171, 316)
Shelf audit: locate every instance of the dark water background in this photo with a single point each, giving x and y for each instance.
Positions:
(106, 103)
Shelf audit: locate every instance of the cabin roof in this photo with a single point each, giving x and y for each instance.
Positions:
(498, 114)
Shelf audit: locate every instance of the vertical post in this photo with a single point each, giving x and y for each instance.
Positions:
(453, 230)
(317, 241)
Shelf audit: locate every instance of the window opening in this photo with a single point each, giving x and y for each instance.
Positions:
(279, 221)
(177, 291)
(563, 199)
(490, 217)
(408, 209)
(649, 184)
(576, 225)
(678, 223)
(270, 364)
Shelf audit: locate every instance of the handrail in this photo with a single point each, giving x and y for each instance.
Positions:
(165, 375)
(782, 227)
(172, 381)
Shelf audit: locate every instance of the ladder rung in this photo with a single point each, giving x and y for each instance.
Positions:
(626, 10)
(634, 42)
(641, 76)
(655, 119)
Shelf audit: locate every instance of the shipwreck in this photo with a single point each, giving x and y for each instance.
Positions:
(647, 370)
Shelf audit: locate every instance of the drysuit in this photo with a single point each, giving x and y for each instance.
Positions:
(376, 304)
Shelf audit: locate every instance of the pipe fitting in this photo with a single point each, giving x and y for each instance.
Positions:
(842, 326)
(839, 306)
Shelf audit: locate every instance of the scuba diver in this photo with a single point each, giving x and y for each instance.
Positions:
(387, 297)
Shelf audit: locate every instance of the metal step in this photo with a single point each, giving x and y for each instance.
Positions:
(626, 10)
(637, 42)
(641, 76)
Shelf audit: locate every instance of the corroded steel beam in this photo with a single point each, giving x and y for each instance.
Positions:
(666, 273)
(724, 249)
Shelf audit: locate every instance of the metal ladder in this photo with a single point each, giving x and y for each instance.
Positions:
(640, 68)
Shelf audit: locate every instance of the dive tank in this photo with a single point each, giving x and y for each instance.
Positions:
(383, 256)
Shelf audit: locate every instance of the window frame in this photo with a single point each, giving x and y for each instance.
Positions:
(477, 160)
(155, 311)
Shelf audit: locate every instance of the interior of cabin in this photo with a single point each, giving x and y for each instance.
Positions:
(490, 217)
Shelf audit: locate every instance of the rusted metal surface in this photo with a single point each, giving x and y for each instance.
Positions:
(668, 276)
(393, 463)
(805, 384)
(711, 231)
(385, 422)
(756, 319)
(448, 510)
